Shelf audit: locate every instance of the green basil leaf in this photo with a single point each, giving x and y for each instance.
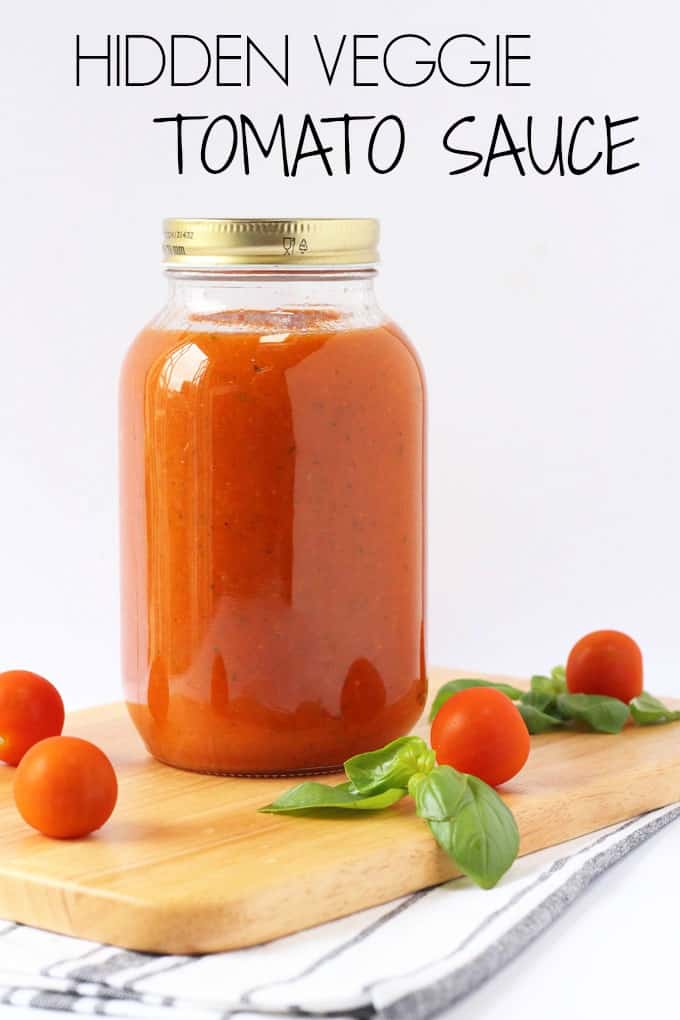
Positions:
(319, 797)
(470, 822)
(553, 685)
(483, 838)
(542, 685)
(600, 713)
(390, 767)
(440, 794)
(538, 720)
(647, 710)
(558, 675)
(454, 686)
(541, 700)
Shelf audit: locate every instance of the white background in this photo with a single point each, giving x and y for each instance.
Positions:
(543, 309)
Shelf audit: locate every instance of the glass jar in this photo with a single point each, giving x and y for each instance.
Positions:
(272, 463)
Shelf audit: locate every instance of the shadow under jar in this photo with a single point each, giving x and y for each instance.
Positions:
(272, 485)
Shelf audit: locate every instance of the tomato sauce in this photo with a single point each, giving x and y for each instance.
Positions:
(272, 541)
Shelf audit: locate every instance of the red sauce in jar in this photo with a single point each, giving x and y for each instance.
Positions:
(272, 542)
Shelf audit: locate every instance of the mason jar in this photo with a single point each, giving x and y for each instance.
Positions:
(272, 428)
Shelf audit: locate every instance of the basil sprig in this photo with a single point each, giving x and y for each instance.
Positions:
(467, 818)
(551, 685)
(647, 710)
(597, 711)
(538, 706)
(539, 720)
(548, 706)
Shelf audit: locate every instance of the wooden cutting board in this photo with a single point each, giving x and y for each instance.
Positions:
(187, 865)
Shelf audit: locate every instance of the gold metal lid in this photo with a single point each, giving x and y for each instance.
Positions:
(206, 244)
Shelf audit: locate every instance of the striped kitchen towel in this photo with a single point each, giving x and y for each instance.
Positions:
(405, 960)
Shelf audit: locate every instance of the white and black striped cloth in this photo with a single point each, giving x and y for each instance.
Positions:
(406, 960)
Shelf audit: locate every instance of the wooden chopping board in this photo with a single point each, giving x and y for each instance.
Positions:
(187, 865)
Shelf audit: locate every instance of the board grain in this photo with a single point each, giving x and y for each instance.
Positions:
(187, 865)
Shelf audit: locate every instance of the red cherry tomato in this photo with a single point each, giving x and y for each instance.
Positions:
(30, 710)
(65, 787)
(481, 732)
(605, 662)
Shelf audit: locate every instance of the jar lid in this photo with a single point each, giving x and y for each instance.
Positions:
(206, 244)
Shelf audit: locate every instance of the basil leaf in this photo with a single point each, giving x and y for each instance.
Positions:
(319, 797)
(483, 838)
(454, 686)
(647, 710)
(599, 712)
(538, 720)
(541, 700)
(559, 676)
(391, 766)
(469, 821)
(553, 685)
(440, 794)
(542, 685)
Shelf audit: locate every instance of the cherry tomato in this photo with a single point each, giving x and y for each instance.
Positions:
(605, 662)
(481, 732)
(65, 787)
(30, 710)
